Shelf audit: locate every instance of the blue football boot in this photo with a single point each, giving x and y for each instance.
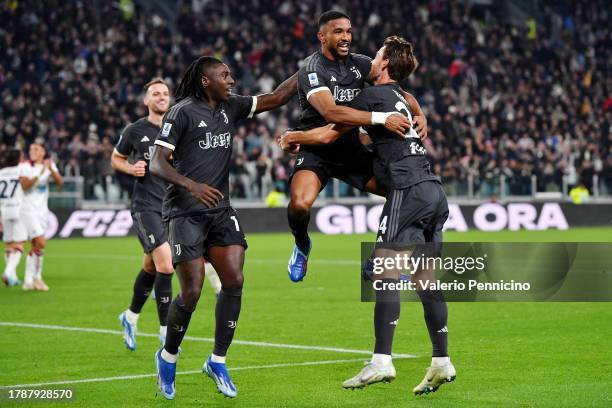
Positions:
(298, 263)
(166, 374)
(218, 372)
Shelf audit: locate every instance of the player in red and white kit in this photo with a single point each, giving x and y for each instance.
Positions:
(14, 232)
(35, 177)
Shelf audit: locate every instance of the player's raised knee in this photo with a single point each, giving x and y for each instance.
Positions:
(300, 204)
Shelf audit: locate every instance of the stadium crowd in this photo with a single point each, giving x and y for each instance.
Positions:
(501, 100)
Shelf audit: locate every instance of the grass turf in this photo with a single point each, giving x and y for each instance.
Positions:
(506, 354)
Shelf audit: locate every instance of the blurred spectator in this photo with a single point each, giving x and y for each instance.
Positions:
(579, 194)
(504, 102)
(276, 198)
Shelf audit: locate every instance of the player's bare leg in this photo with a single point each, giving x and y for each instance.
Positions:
(305, 187)
(228, 261)
(213, 278)
(191, 278)
(34, 263)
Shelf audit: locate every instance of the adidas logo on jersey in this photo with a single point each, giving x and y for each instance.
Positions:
(144, 139)
(202, 124)
(333, 79)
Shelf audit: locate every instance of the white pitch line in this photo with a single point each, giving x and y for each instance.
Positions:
(247, 259)
(203, 339)
(138, 376)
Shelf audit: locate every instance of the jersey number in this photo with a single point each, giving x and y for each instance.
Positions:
(383, 225)
(401, 106)
(233, 218)
(4, 186)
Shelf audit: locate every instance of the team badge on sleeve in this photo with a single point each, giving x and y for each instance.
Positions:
(313, 79)
(166, 130)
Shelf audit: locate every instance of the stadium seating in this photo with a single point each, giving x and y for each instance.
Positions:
(504, 101)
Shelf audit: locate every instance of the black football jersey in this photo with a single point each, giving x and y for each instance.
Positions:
(138, 139)
(201, 139)
(399, 163)
(344, 79)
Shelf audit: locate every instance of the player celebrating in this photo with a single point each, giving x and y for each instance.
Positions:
(14, 232)
(197, 133)
(415, 212)
(147, 199)
(329, 76)
(34, 179)
(146, 208)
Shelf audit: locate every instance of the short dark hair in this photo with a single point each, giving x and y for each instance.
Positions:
(11, 158)
(154, 81)
(402, 62)
(331, 15)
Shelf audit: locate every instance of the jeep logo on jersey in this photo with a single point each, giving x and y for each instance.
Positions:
(149, 154)
(345, 95)
(212, 141)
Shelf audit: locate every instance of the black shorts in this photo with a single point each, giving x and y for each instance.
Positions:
(414, 215)
(192, 235)
(151, 229)
(354, 166)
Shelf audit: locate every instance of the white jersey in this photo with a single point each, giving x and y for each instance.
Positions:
(11, 193)
(36, 198)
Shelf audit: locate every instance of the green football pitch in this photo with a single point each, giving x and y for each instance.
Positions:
(296, 343)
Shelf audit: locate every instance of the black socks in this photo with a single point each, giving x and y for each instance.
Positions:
(177, 322)
(163, 295)
(436, 318)
(142, 289)
(386, 316)
(298, 223)
(226, 313)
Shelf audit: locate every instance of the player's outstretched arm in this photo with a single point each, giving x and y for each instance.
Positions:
(278, 97)
(160, 167)
(324, 103)
(317, 136)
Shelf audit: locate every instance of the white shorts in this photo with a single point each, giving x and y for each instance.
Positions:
(13, 230)
(35, 223)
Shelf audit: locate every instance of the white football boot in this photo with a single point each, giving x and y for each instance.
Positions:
(371, 373)
(435, 377)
